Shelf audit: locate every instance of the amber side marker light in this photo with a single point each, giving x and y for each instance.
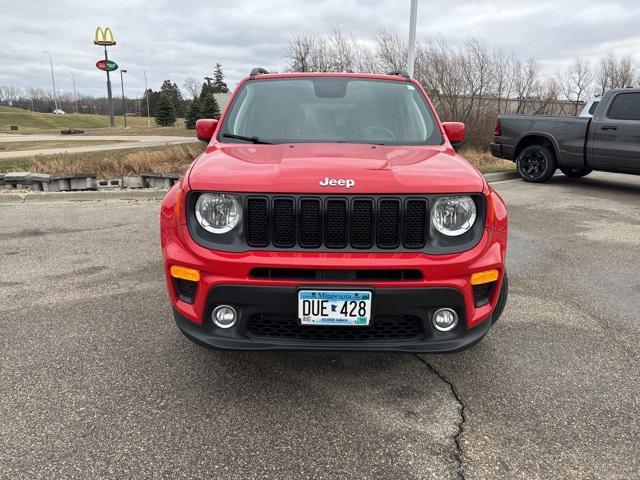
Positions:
(185, 273)
(487, 276)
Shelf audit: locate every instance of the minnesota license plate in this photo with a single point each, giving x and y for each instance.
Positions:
(334, 307)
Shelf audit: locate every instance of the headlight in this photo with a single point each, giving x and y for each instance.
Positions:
(218, 212)
(453, 216)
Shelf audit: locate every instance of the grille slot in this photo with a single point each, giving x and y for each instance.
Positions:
(257, 222)
(362, 223)
(415, 224)
(383, 327)
(337, 223)
(349, 222)
(284, 222)
(310, 220)
(388, 225)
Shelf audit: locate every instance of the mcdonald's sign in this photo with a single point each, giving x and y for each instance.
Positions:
(104, 37)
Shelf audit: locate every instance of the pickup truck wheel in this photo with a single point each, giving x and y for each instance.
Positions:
(536, 164)
(575, 172)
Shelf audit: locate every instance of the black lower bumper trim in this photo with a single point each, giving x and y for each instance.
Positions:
(413, 306)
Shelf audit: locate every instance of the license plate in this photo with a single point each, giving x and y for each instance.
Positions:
(334, 307)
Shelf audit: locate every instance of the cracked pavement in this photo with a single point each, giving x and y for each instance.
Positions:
(97, 382)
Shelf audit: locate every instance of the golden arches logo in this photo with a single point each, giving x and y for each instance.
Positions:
(104, 37)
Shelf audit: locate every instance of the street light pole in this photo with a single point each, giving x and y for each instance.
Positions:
(146, 94)
(73, 78)
(53, 82)
(124, 105)
(411, 56)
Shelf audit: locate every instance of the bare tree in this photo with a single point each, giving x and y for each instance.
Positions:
(576, 81)
(192, 86)
(614, 73)
(299, 53)
(526, 82)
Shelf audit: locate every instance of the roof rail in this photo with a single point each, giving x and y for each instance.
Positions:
(400, 73)
(257, 71)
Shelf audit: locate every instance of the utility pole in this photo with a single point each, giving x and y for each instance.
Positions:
(208, 79)
(53, 82)
(124, 105)
(73, 78)
(411, 57)
(146, 94)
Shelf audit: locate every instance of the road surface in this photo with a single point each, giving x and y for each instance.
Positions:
(126, 141)
(97, 382)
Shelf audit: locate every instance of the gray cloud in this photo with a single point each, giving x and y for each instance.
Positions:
(176, 40)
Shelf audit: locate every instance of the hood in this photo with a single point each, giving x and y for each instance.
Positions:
(328, 167)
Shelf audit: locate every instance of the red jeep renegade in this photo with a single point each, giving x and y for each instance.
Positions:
(331, 212)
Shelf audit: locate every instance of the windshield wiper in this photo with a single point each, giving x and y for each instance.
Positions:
(246, 139)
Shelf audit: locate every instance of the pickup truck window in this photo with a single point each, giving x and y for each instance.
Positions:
(331, 109)
(626, 106)
(593, 107)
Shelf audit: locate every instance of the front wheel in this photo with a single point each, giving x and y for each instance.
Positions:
(575, 172)
(536, 164)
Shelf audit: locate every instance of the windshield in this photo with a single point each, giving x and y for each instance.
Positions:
(330, 109)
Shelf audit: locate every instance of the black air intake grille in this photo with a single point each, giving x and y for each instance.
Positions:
(356, 222)
(383, 327)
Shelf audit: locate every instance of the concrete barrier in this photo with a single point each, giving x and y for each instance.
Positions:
(110, 184)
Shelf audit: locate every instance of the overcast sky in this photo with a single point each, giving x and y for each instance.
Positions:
(178, 39)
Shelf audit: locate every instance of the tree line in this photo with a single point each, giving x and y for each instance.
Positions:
(166, 104)
(471, 83)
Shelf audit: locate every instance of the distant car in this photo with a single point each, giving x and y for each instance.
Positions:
(589, 109)
(57, 111)
(609, 141)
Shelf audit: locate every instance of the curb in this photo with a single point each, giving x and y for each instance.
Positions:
(86, 196)
(129, 195)
(499, 176)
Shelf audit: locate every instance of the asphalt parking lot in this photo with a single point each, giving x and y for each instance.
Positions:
(97, 382)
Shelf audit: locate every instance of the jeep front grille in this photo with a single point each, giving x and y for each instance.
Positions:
(336, 222)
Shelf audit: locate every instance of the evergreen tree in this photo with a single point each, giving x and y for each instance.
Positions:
(193, 114)
(172, 91)
(153, 98)
(166, 115)
(219, 84)
(209, 107)
(207, 91)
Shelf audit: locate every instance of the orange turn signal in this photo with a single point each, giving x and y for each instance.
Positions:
(487, 276)
(185, 273)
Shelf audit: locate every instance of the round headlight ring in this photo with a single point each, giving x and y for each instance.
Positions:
(454, 215)
(218, 212)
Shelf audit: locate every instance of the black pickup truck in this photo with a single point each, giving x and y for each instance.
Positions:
(610, 141)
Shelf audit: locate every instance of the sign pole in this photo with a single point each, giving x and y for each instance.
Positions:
(111, 119)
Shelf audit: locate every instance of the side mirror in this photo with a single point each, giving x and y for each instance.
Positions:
(205, 128)
(454, 132)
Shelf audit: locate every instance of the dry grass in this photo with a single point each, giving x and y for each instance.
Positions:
(174, 159)
(112, 163)
(485, 162)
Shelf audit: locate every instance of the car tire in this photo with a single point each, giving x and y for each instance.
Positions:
(536, 163)
(575, 172)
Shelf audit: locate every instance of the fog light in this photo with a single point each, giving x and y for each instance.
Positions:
(445, 319)
(224, 316)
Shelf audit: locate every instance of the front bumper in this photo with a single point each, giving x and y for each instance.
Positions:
(401, 322)
(226, 278)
